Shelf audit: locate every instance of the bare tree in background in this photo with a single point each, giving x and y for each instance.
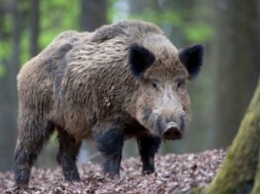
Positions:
(137, 6)
(236, 64)
(34, 27)
(93, 14)
(8, 94)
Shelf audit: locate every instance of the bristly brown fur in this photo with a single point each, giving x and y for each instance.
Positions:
(83, 86)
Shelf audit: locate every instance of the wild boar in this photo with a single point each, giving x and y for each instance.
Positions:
(121, 81)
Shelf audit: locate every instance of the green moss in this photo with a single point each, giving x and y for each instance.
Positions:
(198, 190)
(256, 189)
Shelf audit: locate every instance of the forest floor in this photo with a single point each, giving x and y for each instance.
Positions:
(187, 173)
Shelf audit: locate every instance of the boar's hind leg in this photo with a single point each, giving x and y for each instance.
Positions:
(33, 134)
(110, 144)
(67, 155)
(148, 146)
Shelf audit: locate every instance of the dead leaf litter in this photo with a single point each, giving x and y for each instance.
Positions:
(174, 174)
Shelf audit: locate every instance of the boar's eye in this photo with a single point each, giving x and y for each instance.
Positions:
(154, 84)
(180, 84)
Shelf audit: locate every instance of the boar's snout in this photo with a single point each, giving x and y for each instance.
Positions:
(172, 132)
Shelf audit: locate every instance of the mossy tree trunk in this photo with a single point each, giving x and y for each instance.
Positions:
(256, 189)
(240, 173)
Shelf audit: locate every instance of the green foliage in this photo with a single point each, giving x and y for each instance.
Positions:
(167, 17)
(198, 32)
(2, 70)
(5, 42)
(24, 48)
(56, 17)
(111, 10)
(192, 30)
(5, 50)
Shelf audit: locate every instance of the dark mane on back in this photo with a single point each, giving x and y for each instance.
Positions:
(133, 28)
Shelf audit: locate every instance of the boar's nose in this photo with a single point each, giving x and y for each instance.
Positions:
(172, 132)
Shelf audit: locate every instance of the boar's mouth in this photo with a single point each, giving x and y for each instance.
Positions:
(172, 132)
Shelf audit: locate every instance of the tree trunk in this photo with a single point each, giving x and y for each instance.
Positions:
(34, 27)
(8, 95)
(236, 65)
(93, 14)
(239, 171)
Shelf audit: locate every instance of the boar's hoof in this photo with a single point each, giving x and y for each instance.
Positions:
(21, 186)
(172, 132)
(147, 172)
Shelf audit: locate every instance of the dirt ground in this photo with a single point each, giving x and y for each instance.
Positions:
(174, 174)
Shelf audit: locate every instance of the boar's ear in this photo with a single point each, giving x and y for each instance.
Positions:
(192, 59)
(140, 59)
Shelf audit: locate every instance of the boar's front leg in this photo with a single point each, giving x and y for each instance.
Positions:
(110, 144)
(148, 146)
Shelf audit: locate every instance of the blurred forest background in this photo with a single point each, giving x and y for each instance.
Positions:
(230, 29)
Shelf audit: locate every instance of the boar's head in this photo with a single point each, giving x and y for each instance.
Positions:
(163, 104)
